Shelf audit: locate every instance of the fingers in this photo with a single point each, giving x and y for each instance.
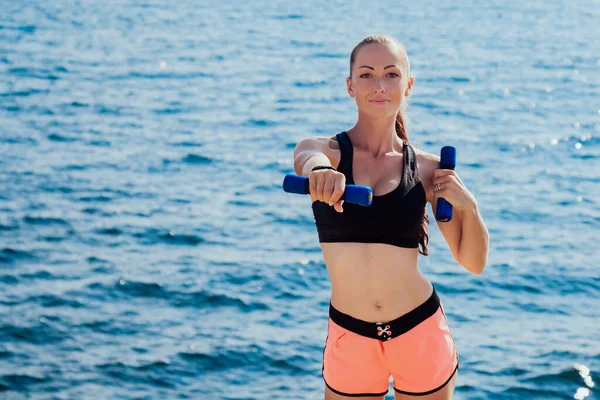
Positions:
(327, 186)
(446, 179)
(438, 173)
(339, 186)
(440, 193)
(312, 185)
(440, 181)
(320, 187)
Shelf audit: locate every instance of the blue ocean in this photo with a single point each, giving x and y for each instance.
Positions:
(148, 251)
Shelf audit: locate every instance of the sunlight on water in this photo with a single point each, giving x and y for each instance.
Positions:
(584, 372)
(582, 393)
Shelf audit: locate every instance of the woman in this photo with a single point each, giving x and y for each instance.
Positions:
(385, 318)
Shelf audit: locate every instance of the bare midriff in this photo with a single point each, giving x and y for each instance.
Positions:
(375, 282)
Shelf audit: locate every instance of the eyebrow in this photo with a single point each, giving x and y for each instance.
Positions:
(389, 66)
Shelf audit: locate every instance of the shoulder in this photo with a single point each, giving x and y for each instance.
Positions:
(327, 145)
(318, 143)
(427, 163)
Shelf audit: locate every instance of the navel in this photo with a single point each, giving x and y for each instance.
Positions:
(378, 304)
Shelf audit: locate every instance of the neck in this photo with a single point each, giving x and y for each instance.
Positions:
(375, 135)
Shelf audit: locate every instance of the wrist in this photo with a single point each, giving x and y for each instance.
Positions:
(323, 167)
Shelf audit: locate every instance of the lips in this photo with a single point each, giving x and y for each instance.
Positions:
(379, 101)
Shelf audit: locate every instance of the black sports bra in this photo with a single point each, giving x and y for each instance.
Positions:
(394, 218)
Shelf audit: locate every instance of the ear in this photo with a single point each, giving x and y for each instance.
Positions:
(349, 85)
(411, 81)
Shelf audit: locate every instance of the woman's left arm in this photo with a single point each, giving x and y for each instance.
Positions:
(466, 233)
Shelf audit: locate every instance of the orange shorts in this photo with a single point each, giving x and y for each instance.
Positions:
(416, 349)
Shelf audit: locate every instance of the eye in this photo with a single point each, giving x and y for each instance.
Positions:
(365, 75)
(393, 75)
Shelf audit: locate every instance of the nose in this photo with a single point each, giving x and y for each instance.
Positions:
(379, 86)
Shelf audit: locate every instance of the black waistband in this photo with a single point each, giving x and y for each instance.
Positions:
(391, 329)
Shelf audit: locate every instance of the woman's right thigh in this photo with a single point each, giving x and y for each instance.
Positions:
(353, 365)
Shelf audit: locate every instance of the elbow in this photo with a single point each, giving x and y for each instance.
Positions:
(480, 267)
(476, 262)
(478, 270)
(475, 268)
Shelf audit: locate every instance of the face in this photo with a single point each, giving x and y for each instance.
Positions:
(380, 80)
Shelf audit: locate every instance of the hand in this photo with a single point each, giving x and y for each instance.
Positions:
(452, 190)
(328, 186)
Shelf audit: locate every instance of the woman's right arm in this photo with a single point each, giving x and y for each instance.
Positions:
(326, 185)
(309, 153)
